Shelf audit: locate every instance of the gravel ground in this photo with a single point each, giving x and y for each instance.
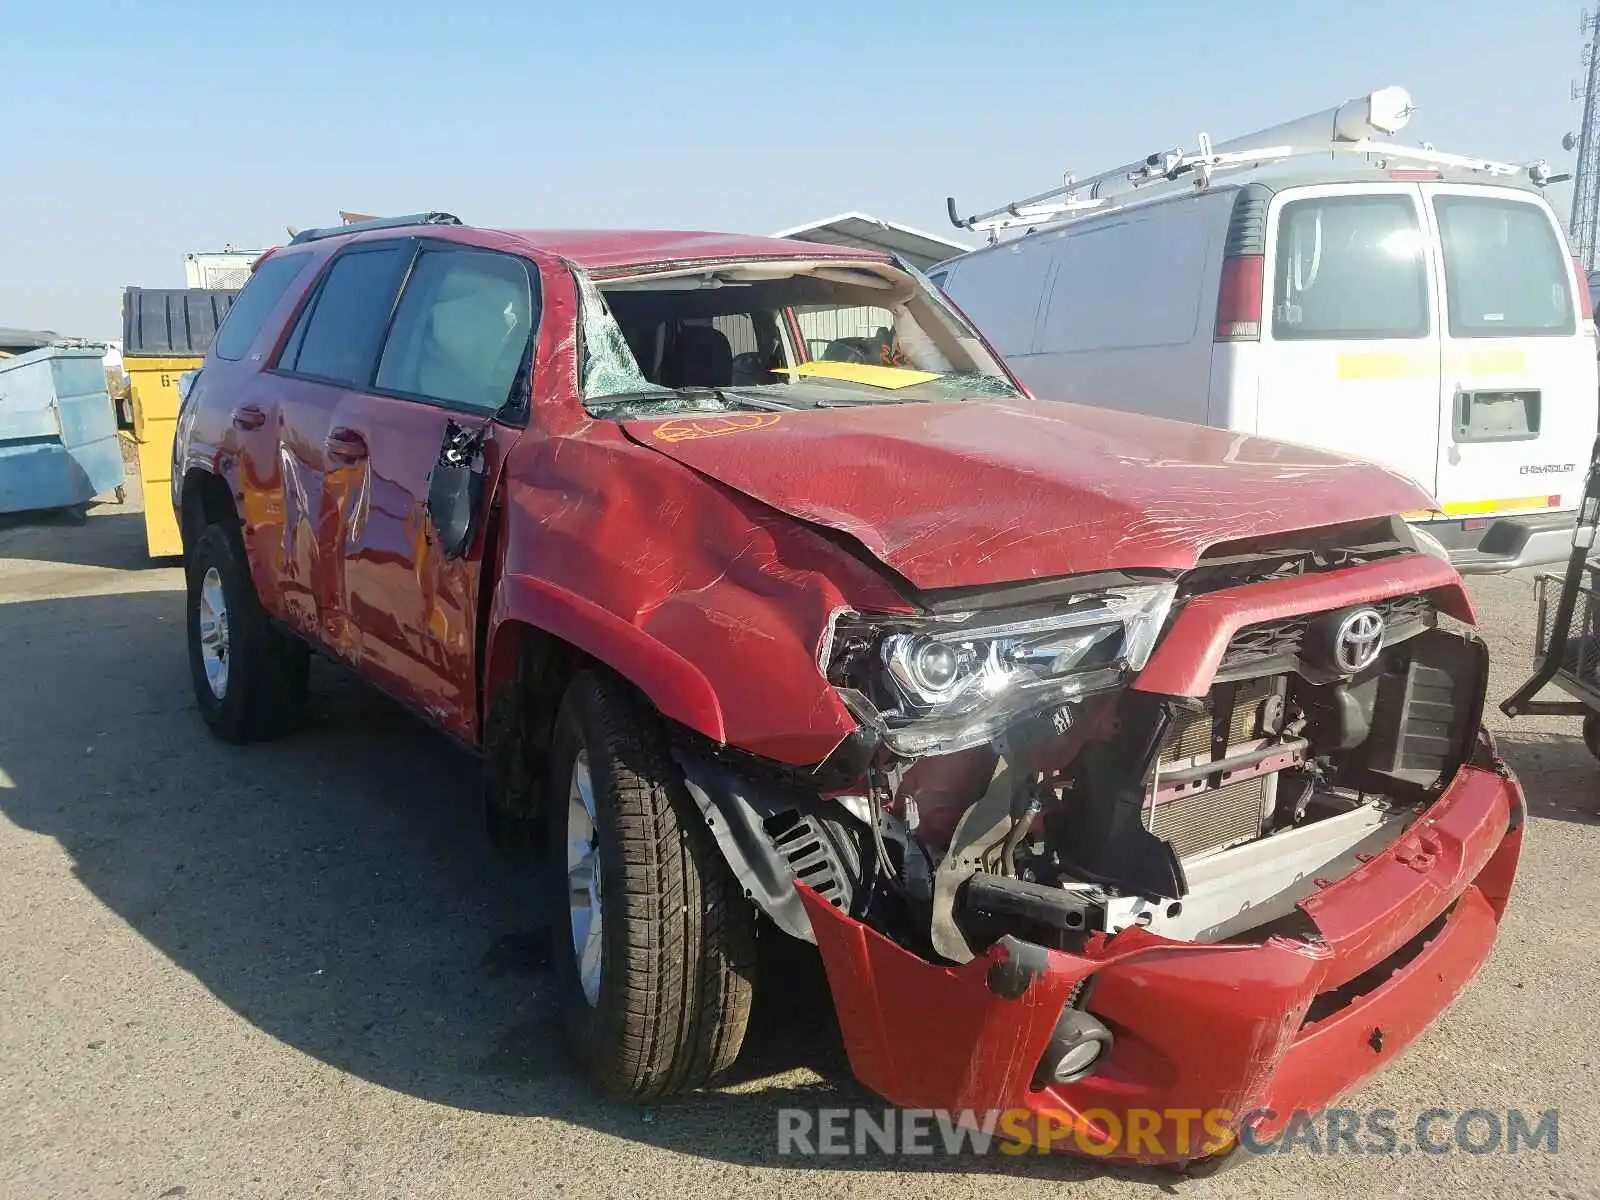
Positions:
(298, 970)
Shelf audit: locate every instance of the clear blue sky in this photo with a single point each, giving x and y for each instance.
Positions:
(135, 133)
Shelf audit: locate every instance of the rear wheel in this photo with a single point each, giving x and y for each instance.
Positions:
(1591, 733)
(657, 954)
(249, 677)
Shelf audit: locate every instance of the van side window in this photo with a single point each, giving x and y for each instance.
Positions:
(461, 331)
(1130, 283)
(1505, 274)
(1349, 267)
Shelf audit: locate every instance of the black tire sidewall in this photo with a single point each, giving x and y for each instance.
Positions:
(225, 715)
(594, 1031)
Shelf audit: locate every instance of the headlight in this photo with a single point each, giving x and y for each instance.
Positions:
(941, 684)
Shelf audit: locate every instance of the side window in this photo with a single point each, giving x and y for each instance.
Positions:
(337, 335)
(1130, 283)
(250, 308)
(1349, 267)
(462, 329)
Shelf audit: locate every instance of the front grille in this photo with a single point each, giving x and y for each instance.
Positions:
(1212, 819)
(1273, 645)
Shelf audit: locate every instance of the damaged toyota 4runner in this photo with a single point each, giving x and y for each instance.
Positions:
(1110, 763)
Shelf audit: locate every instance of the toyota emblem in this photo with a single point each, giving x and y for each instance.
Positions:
(1358, 641)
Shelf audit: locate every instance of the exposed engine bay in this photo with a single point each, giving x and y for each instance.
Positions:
(1202, 818)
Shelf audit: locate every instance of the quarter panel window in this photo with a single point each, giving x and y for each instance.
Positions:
(252, 306)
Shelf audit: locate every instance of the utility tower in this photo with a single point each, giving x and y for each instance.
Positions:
(1586, 175)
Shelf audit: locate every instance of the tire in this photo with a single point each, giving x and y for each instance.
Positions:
(675, 950)
(259, 691)
(1591, 733)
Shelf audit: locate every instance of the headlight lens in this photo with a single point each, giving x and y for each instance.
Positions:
(941, 684)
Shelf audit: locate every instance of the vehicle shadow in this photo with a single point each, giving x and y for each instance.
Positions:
(335, 889)
(1568, 775)
(113, 536)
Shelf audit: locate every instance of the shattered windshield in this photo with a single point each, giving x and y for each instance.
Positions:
(775, 334)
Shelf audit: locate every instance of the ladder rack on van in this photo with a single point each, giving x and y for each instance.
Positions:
(1354, 127)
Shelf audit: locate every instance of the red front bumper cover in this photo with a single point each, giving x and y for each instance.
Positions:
(1285, 1024)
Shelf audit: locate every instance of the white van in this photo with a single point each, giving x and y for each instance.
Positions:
(1411, 307)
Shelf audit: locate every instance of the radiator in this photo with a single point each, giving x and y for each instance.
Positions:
(1199, 822)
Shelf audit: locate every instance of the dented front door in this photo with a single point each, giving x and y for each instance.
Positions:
(411, 605)
(454, 367)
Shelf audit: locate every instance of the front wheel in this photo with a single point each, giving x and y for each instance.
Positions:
(249, 678)
(657, 953)
(1591, 733)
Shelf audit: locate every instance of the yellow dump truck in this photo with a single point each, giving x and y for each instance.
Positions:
(164, 333)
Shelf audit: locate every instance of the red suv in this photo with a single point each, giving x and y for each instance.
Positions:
(1111, 763)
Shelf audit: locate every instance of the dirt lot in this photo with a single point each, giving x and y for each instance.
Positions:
(299, 970)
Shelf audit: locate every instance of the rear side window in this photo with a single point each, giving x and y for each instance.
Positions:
(259, 297)
(337, 336)
(462, 329)
(1349, 267)
(1505, 274)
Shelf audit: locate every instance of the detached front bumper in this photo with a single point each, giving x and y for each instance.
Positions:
(1222, 1032)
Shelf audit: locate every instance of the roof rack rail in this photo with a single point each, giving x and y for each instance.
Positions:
(428, 218)
(1348, 128)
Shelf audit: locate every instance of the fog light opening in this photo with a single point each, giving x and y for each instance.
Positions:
(1079, 1044)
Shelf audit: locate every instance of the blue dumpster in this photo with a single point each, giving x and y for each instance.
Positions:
(58, 431)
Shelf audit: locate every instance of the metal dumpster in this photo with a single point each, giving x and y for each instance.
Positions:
(165, 332)
(58, 431)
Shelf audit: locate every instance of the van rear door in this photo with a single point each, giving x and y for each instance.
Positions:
(1349, 352)
(1518, 392)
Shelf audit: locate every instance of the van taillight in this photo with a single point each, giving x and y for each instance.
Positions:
(1239, 299)
(1581, 278)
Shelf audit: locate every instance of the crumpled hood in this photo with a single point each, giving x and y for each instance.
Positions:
(987, 492)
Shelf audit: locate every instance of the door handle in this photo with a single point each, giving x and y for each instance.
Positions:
(346, 445)
(248, 416)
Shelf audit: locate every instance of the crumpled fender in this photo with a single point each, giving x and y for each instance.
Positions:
(674, 684)
(709, 602)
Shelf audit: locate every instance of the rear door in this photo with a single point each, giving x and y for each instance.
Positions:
(1349, 356)
(1518, 389)
(329, 351)
(459, 350)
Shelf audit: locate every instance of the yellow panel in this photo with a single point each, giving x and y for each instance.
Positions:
(153, 385)
(880, 377)
(161, 526)
(1378, 365)
(155, 453)
(1480, 508)
(1509, 361)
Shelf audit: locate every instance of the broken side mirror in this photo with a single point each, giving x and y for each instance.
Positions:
(455, 487)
